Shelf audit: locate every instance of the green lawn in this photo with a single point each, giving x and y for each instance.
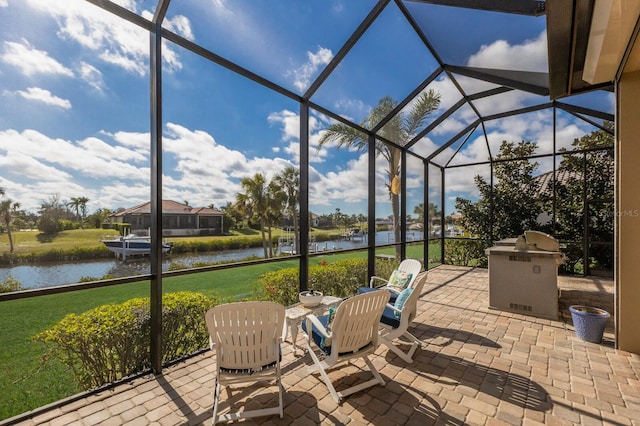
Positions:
(25, 384)
(28, 242)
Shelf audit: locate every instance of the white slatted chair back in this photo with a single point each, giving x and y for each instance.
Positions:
(245, 337)
(356, 323)
(410, 266)
(353, 334)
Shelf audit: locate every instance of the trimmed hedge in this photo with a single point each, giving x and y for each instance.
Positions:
(341, 278)
(111, 342)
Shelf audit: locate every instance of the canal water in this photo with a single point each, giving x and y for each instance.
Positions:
(54, 274)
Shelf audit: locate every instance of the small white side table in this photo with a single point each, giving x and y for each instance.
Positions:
(295, 314)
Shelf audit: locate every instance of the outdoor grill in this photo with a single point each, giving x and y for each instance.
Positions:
(523, 274)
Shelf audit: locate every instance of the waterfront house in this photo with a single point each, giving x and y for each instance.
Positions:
(178, 219)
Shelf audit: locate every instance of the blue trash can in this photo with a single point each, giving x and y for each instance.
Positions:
(589, 322)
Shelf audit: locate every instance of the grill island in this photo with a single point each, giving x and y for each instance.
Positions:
(523, 275)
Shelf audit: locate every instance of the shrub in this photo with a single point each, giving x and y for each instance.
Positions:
(341, 279)
(465, 252)
(89, 278)
(110, 342)
(10, 284)
(49, 226)
(69, 224)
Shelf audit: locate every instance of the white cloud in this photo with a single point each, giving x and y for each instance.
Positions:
(4, 3)
(24, 164)
(43, 96)
(101, 149)
(303, 74)
(92, 76)
(531, 55)
(138, 141)
(32, 61)
(341, 187)
(114, 40)
(71, 157)
(180, 25)
(207, 171)
(290, 122)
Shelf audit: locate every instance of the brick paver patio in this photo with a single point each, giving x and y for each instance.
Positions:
(478, 367)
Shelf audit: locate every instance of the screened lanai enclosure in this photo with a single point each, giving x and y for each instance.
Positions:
(378, 130)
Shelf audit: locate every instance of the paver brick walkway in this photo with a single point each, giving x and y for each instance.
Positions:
(478, 367)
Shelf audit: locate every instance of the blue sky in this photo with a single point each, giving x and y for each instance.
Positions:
(74, 83)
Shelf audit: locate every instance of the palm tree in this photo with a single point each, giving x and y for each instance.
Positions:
(79, 204)
(401, 129)
(83, 209)
(75, 204)
(289, 183)
(7, 209)
(276, 199)
(419, 211)
(253, 203)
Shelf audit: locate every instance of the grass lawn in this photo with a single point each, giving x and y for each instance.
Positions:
(28, 242)
(26, 385)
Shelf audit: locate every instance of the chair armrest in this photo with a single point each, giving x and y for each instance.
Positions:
(312, 319)
(378, 279)
(389, 305)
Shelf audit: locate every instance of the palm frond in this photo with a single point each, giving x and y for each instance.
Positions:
(345, 136)
(423, 106)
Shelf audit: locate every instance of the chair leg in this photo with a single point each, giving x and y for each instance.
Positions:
(216, 395)
(280, 391)
(411, 340)
(374, 371)
(377, 380)
(318, 366)
(337, 396)
(237, 415)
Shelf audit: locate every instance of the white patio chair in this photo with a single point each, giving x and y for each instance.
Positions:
(402, 277)
(353, 333)
(246, 339)
(396, 319)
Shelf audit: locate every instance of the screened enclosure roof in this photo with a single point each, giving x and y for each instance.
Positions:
(428, 44)
(235, 75)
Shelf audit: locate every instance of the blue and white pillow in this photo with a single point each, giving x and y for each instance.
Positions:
(401, 300)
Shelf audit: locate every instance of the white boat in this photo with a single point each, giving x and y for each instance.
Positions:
(287, 246)
(354, 234)
(133, 245)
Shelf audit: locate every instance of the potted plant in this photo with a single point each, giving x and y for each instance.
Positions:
(589, 322)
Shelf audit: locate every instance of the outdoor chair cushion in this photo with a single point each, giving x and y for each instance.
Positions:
(251, 371)
(318, 337)
(389, 318)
